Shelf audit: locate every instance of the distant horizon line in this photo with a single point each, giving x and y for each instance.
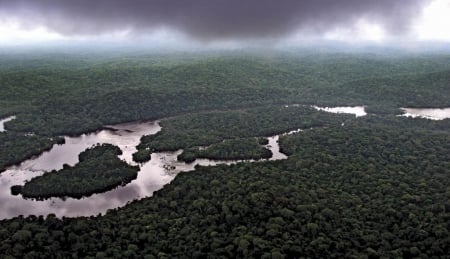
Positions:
(324, 45)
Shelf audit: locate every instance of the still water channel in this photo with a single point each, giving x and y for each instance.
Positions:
(427, 113)
(152, 176)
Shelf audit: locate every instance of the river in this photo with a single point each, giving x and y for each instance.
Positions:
(358, 111)
(2, 122)
(427, 113)
(152, 176)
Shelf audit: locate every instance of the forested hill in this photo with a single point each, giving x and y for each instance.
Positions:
(53, 96)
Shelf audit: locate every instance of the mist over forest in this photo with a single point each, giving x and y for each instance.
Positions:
(224, 129)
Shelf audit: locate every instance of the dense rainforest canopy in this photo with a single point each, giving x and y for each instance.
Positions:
(363, 190)
(15, 148)
(98, 170)
(233, 149)
(203, 129)
(72, 94)
(367, 187)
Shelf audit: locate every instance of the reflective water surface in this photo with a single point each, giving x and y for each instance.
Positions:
(358, 111)
(427, 113)
(152, 176)
(2, 122)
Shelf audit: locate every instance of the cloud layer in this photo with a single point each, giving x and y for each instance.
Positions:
(210, 19)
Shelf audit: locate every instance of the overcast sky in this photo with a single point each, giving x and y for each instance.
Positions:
(224, 21)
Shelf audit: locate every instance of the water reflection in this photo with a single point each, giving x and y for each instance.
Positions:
(153, 175)
(275, 148)
(427, 113)
(358, 111)
(2, 122)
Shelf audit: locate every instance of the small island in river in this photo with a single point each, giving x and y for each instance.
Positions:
(233, 149)
(99, 169)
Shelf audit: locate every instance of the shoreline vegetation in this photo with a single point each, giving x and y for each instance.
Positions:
(207, 128)
(70, 101)
(233, 149)
(98, 170)
(324, 192)
(16, 148)
(371, 187)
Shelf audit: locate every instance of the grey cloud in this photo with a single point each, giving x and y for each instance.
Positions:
(210, 19)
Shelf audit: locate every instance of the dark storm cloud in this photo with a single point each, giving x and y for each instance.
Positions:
(209, 19)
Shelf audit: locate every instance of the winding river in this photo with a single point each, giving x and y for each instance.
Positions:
(153, 175)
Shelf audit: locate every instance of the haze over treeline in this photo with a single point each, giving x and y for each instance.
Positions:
(223, 23)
